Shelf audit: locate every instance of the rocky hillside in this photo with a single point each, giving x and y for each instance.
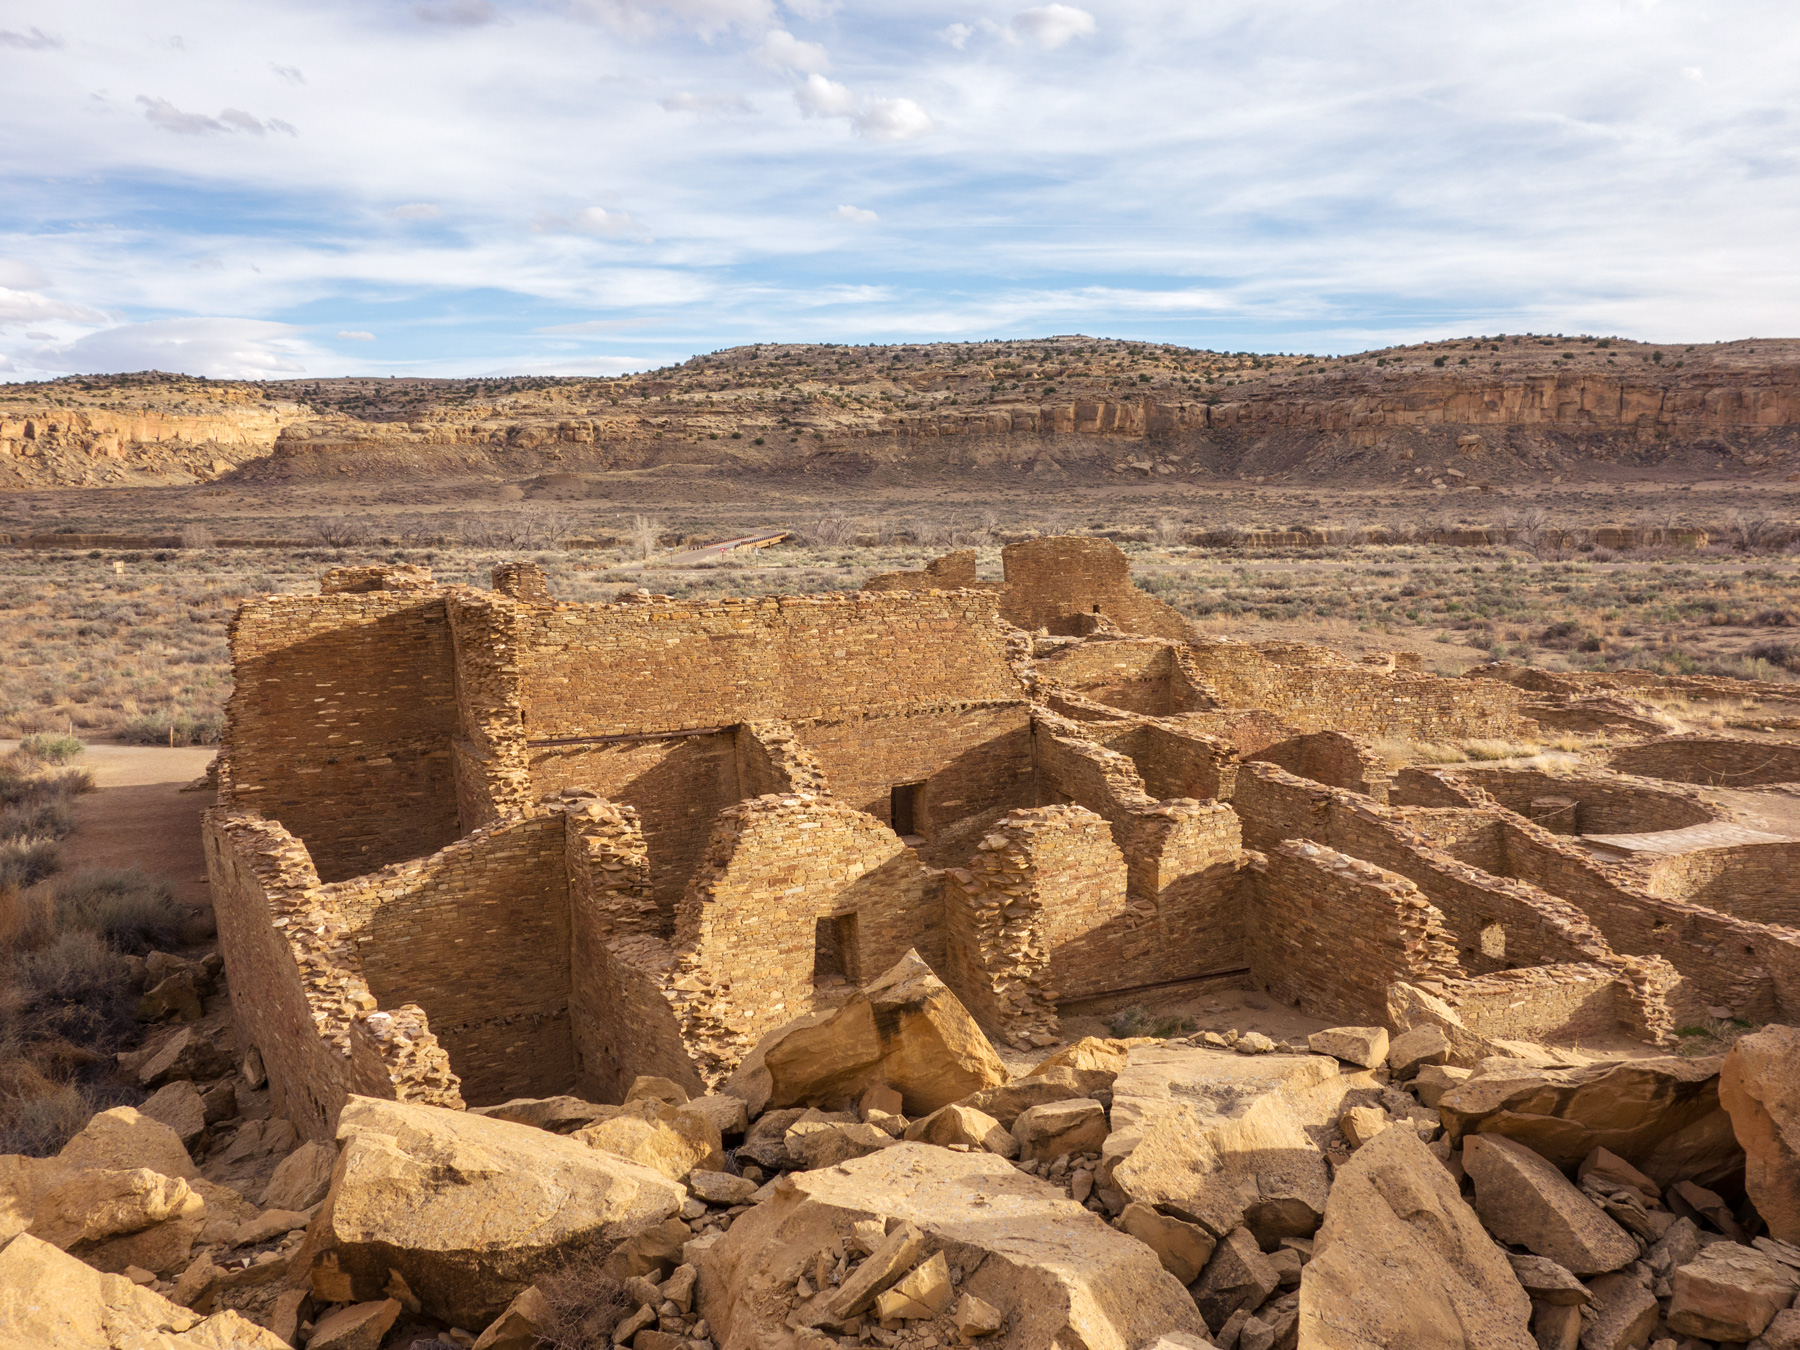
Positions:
(1493, 409)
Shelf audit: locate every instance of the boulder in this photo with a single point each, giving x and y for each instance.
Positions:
(1525, 1201)
(92, 1206)
(1362, 1123)
(1432, 1081)
(302, 1178)
(922, 1293)
(1622, 1315)
(649, 1087)
(726, 1112)
(1548, 1282)
(1783, 1333)
(1661, 1115)
(270, 1224)
(955, 1124)
(188, 1052)
(1005, 1101)
(1226, 1140)
(1183, 1248)
(671, 1139)
(526, 1319)
(52, 1301)
(1400, 1260)
(764, 1142)
(358, 1326)
(468, 1210)
(180, 1106)
(1237, 1278)
(559, 1115)
(1557, 1326)
(1759, 1086)
(1730, 1293)
(826, 1143)
(1412, 1050)
(1365, 1047)
(1056, 1128)
(118, 1140)
(905, 1029)
(975, 1318)
(1059, 1274)
(721, 1188)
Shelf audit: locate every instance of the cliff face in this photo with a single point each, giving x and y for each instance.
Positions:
(1505, 410)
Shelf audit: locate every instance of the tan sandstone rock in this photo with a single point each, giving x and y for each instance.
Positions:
(468, 1210)
(526, 1318)
(1730, 1293)
(1525, 1201)
(359, 1326)
(301, 1179)
(93, 1206)
(52, 1301)
(1661, 1115)
(118, 1140)
(671, 1139)
(826, 1143)
(1183, 1248)
(905, 1029)
(1056, 1273)
(1226, 1140)
(1057, 1083)
(1401, 1261)
(180, 1106)
(955, 1124)
(1622, 1316)
(1759, 1086)
(1365, 1047)
(1056, 1128)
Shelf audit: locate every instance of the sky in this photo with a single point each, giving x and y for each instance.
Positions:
(276, 188)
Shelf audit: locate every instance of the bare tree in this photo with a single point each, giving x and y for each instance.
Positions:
(644, 535)
(196, 535)
(1168, 531)
(339, 531)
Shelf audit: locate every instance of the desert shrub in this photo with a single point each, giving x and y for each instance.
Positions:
(585, 1305)
(41, 1124)
(339, 531)
(1783, 654)
(52, 749)
(25, 862)
(180, 728)
(125, 906)
(50, 816)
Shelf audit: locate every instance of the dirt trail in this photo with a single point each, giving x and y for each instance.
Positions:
(138, 816)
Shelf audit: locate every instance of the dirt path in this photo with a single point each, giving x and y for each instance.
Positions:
(138, 816)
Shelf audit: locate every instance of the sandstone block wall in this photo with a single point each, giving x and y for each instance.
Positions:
(1553, 1005)
(1176, 761)
(1051, 582)
(313, 1018)
(340, 724)
(1719, 761)
(953, 571)
(1328, 933)
(1333, 758)
(1604, 803)
(771, 759)
(796, 893)
(477, 935)
(1133, 676)
(1758, 882)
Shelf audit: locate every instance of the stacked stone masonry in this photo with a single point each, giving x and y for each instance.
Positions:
(473, 844)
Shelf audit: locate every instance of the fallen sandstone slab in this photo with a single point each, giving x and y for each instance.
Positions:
(1056, 1273)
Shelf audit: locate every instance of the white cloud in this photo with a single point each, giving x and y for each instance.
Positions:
(5, 362)
(1693, 73)
(856, 215)
(957, 35)
(28, 307)
(289, 73)
(893, 119)
(811, 9)
(458, 13)
(416, 211)
(21, 275)
(160, 112)
(243, 349)
(355, 335)
(881, 119)
(642, 18)
(589, 220)
(37, 335)
(706, 104)
(784, 51)
(820, 97)
(32, 39)
(1050, 26)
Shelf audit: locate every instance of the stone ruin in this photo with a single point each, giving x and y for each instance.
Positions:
(476, 845)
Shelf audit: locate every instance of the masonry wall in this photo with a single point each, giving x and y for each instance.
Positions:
(1604, 803)
(751, 917)
(594, 670)
(1318, 691)
(1176, 762)
(340, 724)
(1133, 676)
(1052, 583)
(1552, 1005)
(1328, 933)
(1758, 882)
(677, 787)
(313, 1018)
(1332, 758)
(953, 571)
(478, 936)
(622, 1020)
(1719, 761)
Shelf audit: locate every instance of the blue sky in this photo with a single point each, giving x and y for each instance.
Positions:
(281, 187)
